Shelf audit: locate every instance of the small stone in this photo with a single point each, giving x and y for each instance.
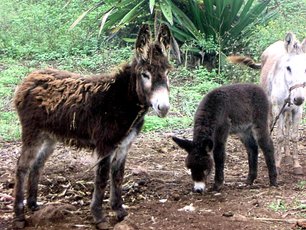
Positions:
(103, 226)
(228, 214)
(125, 225)
(176, 196)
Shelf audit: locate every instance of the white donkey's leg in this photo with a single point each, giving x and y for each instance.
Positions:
(279, 143)
(296, 119)
(287, 137)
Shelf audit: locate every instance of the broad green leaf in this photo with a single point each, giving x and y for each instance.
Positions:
(133, 13)
(79, 19)
(104, 18)
(84, 14)
(184, 21)
(151, 5)
(166, 10)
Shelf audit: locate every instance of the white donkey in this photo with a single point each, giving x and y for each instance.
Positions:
(283, 76)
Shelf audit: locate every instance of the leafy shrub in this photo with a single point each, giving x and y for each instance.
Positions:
(40, 29)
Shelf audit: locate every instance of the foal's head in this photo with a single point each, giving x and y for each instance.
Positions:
(293, 67)
(151, 67)
(198, 160)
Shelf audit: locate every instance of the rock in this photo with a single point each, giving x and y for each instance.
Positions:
(228, 214)
(51, 213)
(239, 217)
(125, 225)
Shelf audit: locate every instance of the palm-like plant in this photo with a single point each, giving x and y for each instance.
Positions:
(225, 21)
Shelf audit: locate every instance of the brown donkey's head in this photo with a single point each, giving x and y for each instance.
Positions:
(151, 69)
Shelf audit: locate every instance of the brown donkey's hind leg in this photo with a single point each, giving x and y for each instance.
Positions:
(43, 154)
(31, 143)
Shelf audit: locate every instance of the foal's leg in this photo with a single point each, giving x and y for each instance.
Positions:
(220, 138)
(117, 173)
(43, 154)
(296, 119)
(30, 147)
(251, 146)
(265, 143)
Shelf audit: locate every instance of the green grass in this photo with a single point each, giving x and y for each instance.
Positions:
(154, 123)
(278, 206)
(10, 75)
(9, 126)
(301, 184)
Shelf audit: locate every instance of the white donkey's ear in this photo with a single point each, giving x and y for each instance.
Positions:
(303, 45)
(143, 42)
(292, 45)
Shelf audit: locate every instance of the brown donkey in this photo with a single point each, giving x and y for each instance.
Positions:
(101, 112)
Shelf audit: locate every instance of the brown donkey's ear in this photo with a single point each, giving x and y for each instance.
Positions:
(143, 42)
(292, 44)
(164, 38)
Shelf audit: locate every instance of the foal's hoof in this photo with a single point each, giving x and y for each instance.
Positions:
(121, 213)
(34, 207)
(298, 171)
(18, 224)
(216, 188)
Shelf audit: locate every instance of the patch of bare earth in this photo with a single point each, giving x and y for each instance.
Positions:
(157, 191)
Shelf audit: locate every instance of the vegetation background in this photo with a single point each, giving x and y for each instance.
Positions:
(91, 37)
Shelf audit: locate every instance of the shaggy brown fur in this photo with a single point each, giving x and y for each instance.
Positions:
(102, 112)
(240, 109)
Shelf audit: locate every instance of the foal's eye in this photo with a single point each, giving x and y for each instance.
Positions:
(144, 75)
(289, 69)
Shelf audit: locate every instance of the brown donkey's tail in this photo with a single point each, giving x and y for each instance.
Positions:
(244, 60)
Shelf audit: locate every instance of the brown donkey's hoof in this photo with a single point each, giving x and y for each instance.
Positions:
(18, 224)
(103, 225)
(287, 160)
(298, 171)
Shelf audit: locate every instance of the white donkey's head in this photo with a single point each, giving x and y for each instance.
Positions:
(292, 67)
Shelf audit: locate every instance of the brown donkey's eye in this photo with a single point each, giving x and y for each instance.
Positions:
(144, 75)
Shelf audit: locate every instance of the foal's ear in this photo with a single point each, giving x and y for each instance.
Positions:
(164, 38)
(183, 143)
(143, 42)
(304, 45)
(291, 43)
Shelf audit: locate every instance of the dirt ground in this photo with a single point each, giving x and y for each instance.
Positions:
(157, 191)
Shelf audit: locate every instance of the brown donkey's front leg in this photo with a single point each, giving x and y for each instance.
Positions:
(101, 178)
(117, 173)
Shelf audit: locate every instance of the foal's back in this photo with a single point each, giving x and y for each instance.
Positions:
(240, 105)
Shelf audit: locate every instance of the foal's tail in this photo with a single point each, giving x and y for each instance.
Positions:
(244, 60)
